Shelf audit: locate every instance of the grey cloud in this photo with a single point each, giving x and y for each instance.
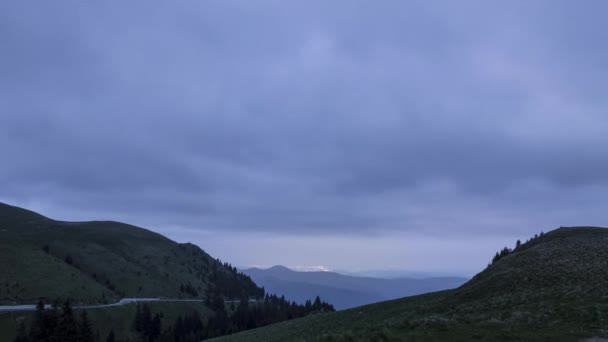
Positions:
(341, 117)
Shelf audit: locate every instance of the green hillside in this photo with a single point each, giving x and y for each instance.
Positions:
(552, 288)
(102, 261)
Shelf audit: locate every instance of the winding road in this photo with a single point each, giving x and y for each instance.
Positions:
(124, 301)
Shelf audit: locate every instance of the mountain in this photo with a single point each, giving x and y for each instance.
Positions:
(341, 290)
(551, 288)
(102, 261)
(98, 262)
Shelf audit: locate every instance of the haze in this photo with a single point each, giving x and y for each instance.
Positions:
(345, 134)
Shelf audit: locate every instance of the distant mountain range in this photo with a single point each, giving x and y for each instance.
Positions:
(553, 287)
(344, 291)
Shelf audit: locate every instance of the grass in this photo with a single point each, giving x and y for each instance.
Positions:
(554, 288)
(24, 267)
(100, 262)
(551, 288)
(109, 260)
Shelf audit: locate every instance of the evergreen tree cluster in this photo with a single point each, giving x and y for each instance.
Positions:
(518, 246)
(69, 260)
(254, 309)
(231, 283)
(188, 328)
(501, 254)
(247, 315)
(273, 309)
(56, 325)
(189, 289)
(147, 326)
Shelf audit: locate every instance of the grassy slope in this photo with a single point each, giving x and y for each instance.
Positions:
(553, 288)
(110, 260)
(29, 273)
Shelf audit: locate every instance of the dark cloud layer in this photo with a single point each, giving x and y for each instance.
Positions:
(346, 117)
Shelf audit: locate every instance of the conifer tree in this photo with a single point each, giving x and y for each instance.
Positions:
(111, 337)
(21, 333)
(179, 330)
(138, 321)
(496, 257)
(146, 319)
(155, 328)
(317, 304)
(85, 330)
(38, 330)
(68, 326)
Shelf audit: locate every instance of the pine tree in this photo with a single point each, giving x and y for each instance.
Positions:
(146, 320)
(138, 322)
(308, 305)
(517, 244)
(496, 257)
(68, 326)
(38, 331)
(111, 337)
(84, 328)
(155, 328)
(21, 333)
(52, 321)
(317, 304)
(179, 330)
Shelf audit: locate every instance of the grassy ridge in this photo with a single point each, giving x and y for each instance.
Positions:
(28, 272)
(551, 288)
(98, 262)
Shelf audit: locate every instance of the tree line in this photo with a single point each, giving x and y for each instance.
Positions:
(518, 246)
(59, 324)
(227, 319)
(230, 283)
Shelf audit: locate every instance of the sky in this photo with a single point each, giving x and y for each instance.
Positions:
(343, 135)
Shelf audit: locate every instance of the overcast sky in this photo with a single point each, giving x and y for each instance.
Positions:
(353, 135)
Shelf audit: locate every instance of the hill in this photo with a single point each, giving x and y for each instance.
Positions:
(341, 290)
(551, 288)
(102, 261)
(75, 263)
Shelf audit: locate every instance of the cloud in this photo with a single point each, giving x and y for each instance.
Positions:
(341, 118)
